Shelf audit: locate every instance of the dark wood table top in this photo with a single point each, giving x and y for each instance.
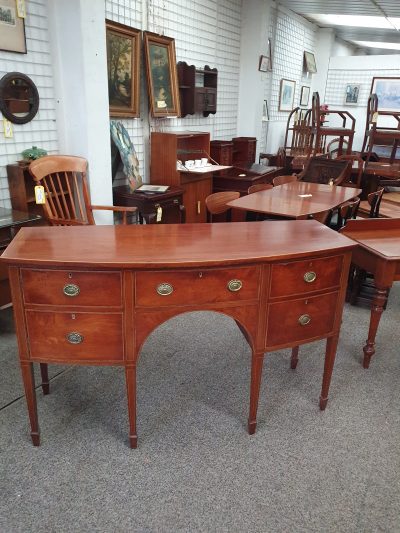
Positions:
(167, 246)
(380, 236)
(296, 200)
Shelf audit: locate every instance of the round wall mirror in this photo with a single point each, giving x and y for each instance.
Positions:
(19, 98)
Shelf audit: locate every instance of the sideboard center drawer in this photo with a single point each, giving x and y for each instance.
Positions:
(63, 287)
(155, 289)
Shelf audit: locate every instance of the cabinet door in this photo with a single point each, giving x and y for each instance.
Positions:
(194, 198)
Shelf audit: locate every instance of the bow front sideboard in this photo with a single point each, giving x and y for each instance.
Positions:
(91, 295)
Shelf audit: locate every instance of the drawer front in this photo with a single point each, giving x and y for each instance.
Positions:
(75, 336)
(300, 277)
(298, 320)
(63, 287)
(155, 289)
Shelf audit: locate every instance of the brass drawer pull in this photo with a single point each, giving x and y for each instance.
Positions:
(304, 320)
(234, 285)
(164, 289)
(74, 337)
(309, 277)
(70, 289)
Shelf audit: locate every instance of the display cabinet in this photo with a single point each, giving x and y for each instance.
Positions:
(166, 150)
(197, 89)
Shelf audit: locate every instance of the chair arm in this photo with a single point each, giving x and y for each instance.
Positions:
(122, 209)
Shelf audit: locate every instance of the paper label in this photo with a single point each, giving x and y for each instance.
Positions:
(40, 197)
(161, 103)
(8, 131)
(375, 116)
(21, 10)
(159, 214)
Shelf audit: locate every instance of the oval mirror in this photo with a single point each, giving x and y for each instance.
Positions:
(19, 98)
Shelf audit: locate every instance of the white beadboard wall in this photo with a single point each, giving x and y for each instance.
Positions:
(42, 130)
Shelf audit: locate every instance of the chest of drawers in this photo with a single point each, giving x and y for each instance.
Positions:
(92, 295)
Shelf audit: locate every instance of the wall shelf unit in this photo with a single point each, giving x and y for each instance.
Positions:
(197, 89)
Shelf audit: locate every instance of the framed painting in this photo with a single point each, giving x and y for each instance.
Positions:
(351, 94)
(309, 62)
(286, 95)
(388, 92)
(162, 78)
(265, 113)
(12, 28)
(304, 95)
(123, 69)
(265, 64)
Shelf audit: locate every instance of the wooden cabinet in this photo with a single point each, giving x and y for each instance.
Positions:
(244, 150)
(166, 150)
(22, 189)
(222, 152)
(197, 89)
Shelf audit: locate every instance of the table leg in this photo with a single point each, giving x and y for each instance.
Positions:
(330, 354)
(256, 373)
(29, 386)
(45, 378)
(377, 307)
(295, 357)
(130, 377)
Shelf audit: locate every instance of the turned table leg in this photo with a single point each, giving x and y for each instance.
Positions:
(29, 386)
(330, 354)
(130, 376)
(45, 378)
(377, 307)
(255, 382)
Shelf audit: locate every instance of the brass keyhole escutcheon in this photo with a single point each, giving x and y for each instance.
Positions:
(164, 289)
(309, 277)
(70, 289)
(234, 285)
(304, 320)
(74, 338)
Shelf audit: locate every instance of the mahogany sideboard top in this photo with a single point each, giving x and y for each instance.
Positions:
(92, 294)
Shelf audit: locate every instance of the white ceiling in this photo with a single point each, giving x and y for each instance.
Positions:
(377, 8)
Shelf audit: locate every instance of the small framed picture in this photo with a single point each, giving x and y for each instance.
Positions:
(304, 95)
(351, 94)
(265, 64)
(309, 62)
(286, 95)
(265, 114)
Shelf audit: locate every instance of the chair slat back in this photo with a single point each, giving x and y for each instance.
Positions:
(67, 196)
(280, 180)
(374, 200)
(326, 171)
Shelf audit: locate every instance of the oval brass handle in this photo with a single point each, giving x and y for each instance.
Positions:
(304, 320)
(164, 289)
(70, 289)
(234, 285)
(74, 338)
(309, 277)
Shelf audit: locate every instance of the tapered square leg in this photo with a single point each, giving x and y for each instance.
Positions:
(45, 378)
(130, 377)
(330, 354)
(295, 357)
(255, 382)
(28, 379)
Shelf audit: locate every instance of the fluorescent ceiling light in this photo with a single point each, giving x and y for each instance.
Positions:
(356, 21)
(372, 44)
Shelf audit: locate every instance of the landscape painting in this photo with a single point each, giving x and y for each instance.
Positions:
(388, 93)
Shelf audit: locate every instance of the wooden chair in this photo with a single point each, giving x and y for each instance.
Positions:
(280, 180)
(66, 190)
(259, 187)
(370, 207)
(354, 181)
(326, 171)
(344, 213)
(216, 206)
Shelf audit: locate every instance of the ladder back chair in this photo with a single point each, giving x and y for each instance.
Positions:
(67, 199)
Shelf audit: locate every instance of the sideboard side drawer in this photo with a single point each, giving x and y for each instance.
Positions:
(302, 319)
(49, 287)
(75, 336)
(300, 277)
(197, 286)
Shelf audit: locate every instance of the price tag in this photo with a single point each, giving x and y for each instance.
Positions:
(21, 10)
(159, 214)
(375, 116)
(8, 131)
(40, 197)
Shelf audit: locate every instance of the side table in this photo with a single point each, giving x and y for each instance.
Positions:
(148, 204)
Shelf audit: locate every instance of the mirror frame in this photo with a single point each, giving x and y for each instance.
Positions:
(3, 106)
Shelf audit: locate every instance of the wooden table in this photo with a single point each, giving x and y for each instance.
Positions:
(378, 252)
(298, 199)
(91, 295)
(240, 179)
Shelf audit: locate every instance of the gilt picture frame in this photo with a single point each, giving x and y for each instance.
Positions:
(286, 95)
(12, 28)
(162, 77)
(387, 90)
(123, 69)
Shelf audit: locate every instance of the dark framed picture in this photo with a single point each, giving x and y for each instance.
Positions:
(123, 69)
(304, 95)
(162, 78)
(265, 64)
(351, 94)
(12, 28)
(309, 62)
(265, 115)
(286, 95)
(388, 92)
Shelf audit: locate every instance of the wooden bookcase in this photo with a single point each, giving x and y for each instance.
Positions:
(197, 89)
(166, 150)
(22, 189)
